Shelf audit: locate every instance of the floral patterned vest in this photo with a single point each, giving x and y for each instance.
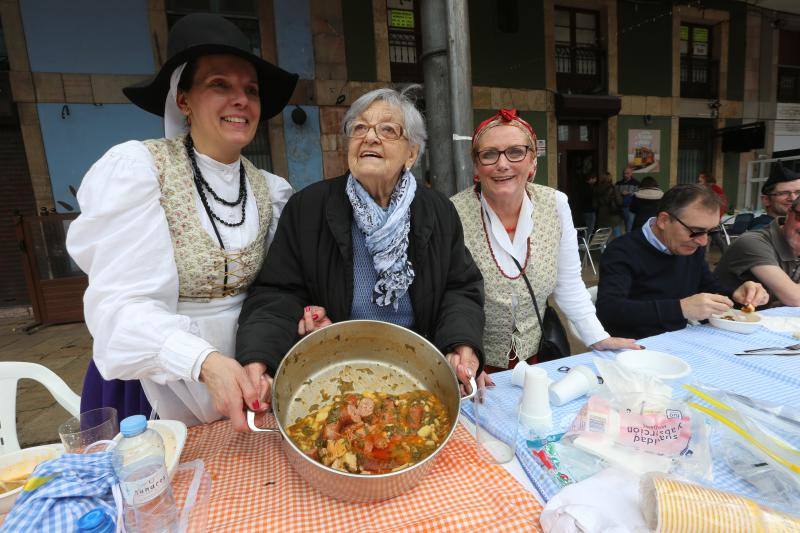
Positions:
(200, 260)
(510, 324)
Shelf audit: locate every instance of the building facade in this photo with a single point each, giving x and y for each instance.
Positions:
(605, 83)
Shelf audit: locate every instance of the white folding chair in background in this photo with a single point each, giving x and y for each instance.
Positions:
(10, 373)
(597, 243)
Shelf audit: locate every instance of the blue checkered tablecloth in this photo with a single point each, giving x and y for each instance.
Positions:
(709, 351)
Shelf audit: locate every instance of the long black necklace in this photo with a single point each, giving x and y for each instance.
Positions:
(203, 186)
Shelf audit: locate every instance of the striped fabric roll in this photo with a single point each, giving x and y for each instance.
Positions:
(671, 506)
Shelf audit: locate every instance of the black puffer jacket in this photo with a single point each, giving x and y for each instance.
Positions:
(310, 262)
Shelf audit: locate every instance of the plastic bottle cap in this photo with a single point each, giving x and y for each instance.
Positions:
(96, 520)
(133, 425)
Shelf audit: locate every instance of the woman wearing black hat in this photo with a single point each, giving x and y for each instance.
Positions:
(172, 231)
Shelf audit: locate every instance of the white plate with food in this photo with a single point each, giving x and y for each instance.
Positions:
(736, 321)
(653, 363)
(16, 467)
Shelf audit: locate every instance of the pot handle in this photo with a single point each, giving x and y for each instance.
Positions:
(251, 422)
(473, 386)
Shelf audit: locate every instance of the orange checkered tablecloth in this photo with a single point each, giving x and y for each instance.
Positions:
(254, 489)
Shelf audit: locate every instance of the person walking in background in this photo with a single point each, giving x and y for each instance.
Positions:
(607, 203)
(586, 197)
(704, 178)
(645, 202)
(626, 188)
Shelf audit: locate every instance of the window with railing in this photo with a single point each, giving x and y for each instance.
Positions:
(699, 70)
(243, 13)
(404, 40)
(580, 61)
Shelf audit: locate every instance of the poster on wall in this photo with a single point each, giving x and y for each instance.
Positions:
(643, 150)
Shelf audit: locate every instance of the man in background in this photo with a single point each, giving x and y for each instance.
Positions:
(777, 194)
(627, 187)
(770, 256)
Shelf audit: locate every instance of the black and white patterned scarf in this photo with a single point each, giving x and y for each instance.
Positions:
(387, 236)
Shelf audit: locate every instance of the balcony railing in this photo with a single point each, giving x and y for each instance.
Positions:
(788, 84)
(580, 69)
(699, 77)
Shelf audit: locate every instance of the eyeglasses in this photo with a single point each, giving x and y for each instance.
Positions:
(695, 233)
(514, 154)
(785, 194)
(388, 131)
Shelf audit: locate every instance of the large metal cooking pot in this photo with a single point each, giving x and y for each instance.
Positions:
(366, 355)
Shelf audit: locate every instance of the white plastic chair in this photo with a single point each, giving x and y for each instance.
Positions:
(593, 293)
(10, 373)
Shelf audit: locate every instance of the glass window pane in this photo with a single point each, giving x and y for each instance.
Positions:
(700, 35)
(684, 47)
(585, 37)
(562, 35)
(585, 20)
(684, 33)
(562, 17)
(584, 133)
(563, 132)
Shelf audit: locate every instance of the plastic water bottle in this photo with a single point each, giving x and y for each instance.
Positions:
(96, 521)
(139, 463)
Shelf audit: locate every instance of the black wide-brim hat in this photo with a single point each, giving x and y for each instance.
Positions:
(201, 34)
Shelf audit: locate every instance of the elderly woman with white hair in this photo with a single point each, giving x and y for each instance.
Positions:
(370, 244)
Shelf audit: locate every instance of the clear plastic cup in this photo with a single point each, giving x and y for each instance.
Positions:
(495, 427)
(79, 433)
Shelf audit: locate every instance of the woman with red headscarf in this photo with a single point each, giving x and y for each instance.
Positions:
(509, 221)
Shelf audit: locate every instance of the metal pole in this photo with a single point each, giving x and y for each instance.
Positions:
(437, 95)
(459, 61)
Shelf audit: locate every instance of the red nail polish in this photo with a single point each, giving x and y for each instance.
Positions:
(256, 405)
(306, 309)
(315, 317)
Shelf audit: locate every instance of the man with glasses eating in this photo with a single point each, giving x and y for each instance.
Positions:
(771, 256)
(656, 279)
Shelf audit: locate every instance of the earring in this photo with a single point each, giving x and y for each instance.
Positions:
(475, 178)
